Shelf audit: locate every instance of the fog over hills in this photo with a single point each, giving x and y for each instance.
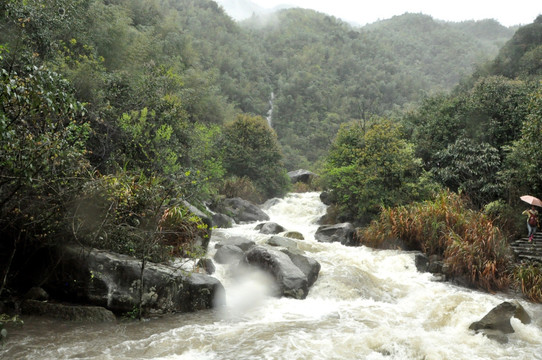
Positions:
(243, 9)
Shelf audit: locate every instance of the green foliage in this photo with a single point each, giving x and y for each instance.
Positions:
(326, 73)
(524, 161)
(463, 137)
(470, 168)
(468, 240)
(250, 149)
(134, 215)
(42, 157)
(369, 169)
(507, 218)
(520, 56)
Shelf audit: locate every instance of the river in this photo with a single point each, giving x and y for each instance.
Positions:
(366, 304)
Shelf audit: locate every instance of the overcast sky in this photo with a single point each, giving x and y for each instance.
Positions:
(507, 12)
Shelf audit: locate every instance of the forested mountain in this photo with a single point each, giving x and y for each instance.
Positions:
(325, 72)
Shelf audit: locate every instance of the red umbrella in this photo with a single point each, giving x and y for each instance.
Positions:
(531, 200)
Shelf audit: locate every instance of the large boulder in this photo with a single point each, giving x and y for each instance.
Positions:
(243, 210)
(343, 233)
(113, 281)
(67, 312)
(222, 221)
(309, 266)
(496, 323)
(228, 254)
(301, 175)
(269, 228)
(290, 280)
(239, 241)
(282, 241)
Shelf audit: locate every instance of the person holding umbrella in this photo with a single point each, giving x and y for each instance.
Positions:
(532, 214)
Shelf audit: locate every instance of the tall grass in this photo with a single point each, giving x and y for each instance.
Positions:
(528, 278)
(471, 245)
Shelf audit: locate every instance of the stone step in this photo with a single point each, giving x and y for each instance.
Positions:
(528, 250)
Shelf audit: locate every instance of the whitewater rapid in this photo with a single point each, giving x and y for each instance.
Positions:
(366, 304)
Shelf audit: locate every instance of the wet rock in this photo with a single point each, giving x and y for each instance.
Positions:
(343, 233)
(421, 261)
(244, 211)
(290, 280)
(282, 241)
(326, 198)
(496, 324)
(309, 266)
(436, 265)
(520, 313)
(269, 228)
(222, 221)
(304, 176)
(95, 314)
(294, 235)
(37, 293)
(113, 281)
(228, 254)
(241, 242)
(207, 265)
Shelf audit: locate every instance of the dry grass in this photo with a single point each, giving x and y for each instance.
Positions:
(469, 242)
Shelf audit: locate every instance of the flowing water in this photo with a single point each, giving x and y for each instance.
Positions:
(366, 304)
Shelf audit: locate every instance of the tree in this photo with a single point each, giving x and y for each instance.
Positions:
(369, 169)
(524, 161)
(470, 168)
(250, 148)
(42, 157)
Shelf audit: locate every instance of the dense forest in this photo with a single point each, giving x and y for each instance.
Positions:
(112, 111)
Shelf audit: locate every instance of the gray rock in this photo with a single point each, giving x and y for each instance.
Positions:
(207, 265)
(326, 198)
(36, 293)
(238, 241)
(113, 281)
(421, 261)
(290, 280)
(228, 254)
(244, 211)
(309, 266)
(304, 176)
(496, 323)
(343, 233)
(96, 314)
(282, 241)
(294, 235)
(222, 221)
(521, 313)
(270, 228)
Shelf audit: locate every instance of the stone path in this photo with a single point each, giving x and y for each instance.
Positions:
(525, 250)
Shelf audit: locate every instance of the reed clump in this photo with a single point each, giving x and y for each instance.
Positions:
(468, 241)
(528, 278)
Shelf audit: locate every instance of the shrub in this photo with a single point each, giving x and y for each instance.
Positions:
(241, 187)
(528, 278)
(468, 240)
(135, 215)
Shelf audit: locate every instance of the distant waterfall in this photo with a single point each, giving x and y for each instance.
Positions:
(270, 112)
